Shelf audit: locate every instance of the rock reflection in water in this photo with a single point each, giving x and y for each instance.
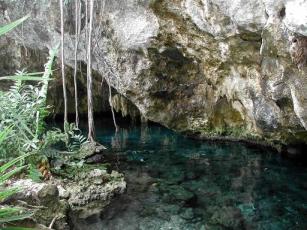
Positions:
(177, 183)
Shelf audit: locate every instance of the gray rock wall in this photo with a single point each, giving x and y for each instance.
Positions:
(212, 67)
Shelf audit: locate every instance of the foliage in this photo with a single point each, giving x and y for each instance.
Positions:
(74, 137)
(8, 213)
(4, 134)
(54, 137)
(23, 108)
(7, 28)
(7, 131)
(21, 75)
(34, 173)
(70, 140)
(18, 109)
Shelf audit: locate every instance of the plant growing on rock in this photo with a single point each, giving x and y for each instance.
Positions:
(23, 108)
(9, 213)
(7, 129)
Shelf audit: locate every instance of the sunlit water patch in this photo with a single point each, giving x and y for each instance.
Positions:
(179, 183)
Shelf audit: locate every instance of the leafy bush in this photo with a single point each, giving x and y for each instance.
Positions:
(55, 141)
(23, 108)
(22, 129)
(7, 132)
(74, 137)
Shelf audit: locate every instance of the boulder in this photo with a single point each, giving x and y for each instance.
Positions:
(67, 202)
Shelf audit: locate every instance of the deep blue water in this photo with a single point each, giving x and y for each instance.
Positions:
(178, 183)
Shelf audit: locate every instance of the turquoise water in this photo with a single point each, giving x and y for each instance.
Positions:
(179, 183)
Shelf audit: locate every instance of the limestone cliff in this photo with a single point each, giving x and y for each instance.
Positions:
(232, 68)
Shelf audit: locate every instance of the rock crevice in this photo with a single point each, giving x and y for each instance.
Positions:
(219, 68)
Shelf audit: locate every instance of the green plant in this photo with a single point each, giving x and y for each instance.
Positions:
(7, 28)
(4, 134)
(74, 137)
(22, 112)
(22, 75)
(9, 213)
(58, 144)
(35, 174)
(24, 109)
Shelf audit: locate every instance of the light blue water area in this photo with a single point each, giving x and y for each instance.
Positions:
(178, 183)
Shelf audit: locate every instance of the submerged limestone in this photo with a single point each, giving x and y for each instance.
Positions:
(178, 183)
(214, 68)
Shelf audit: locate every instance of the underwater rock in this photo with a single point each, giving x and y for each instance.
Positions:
(143, 182)
(229, 217)
(174, 175)
(175, 193)
(187, 214)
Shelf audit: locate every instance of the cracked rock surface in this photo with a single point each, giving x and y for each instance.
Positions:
(70, 201)
(207, 67)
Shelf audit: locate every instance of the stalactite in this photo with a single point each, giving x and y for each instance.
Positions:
(125, 107)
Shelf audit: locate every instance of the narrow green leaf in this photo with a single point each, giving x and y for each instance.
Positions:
(25, 77)
(7, 28)
(6, 166)
(13, 214)
(16, 228)
(7, 210)
(9, 174)
(35, 174)
(5, 133)
(8, 192)
(24, 125)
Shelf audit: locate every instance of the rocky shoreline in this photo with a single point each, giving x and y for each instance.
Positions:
(63, 203)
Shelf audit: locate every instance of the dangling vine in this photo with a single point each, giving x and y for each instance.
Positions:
(91, 128)
(62, 63)
(77, 39)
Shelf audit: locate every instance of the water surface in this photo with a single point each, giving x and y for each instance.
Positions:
(178, 183)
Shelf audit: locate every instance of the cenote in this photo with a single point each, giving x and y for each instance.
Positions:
(174, 182)
(231, 71)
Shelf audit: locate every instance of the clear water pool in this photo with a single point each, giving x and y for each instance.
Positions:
(179, 183)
